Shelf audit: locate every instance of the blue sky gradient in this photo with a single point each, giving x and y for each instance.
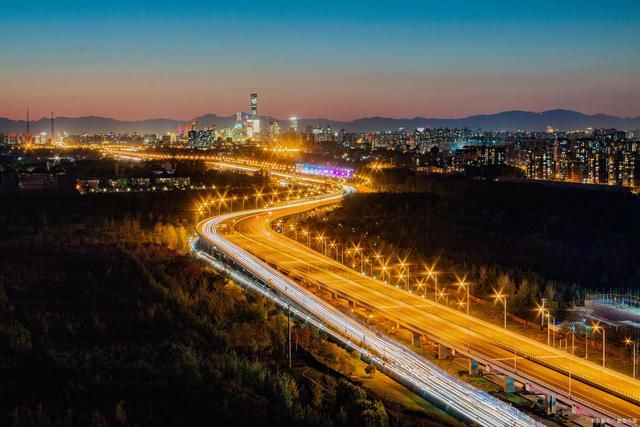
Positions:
(135, 59)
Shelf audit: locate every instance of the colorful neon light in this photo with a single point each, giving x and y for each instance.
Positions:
(328, 171)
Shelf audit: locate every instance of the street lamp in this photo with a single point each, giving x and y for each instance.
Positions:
(356, 249)
(293, 228)
(198, 213)
(443, 294)
(422, 285)
(323, 243)
(463, 284)
(377, 255)
(403, 264)
(385, 270)
(629, 341)
(258, 196)
(598, 328)
(434, 275)
(541, 310)
(586, 343)
(500, 297)
(334, 245)
(549, 317)
(368, 261)
(306, 233)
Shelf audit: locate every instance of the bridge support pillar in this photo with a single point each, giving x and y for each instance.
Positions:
(509, 384)
(473, 367)
(415, 338)
(549, 405)
(443, 352)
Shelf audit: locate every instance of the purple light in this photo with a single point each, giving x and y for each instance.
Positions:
(327, 171)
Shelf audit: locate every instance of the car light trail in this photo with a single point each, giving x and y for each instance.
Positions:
(399, 361)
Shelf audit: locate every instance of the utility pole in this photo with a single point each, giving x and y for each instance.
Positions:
(289, 332)
(53, 137)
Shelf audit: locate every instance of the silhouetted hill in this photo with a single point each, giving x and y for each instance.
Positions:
(507, 120)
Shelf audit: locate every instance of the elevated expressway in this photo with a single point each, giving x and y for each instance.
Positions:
(401, 363)
(590, 388)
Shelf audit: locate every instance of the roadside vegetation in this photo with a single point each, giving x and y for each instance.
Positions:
(106, 320)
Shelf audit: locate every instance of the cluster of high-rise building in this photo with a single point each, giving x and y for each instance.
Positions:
(595, 156)
(592, 156)
(247, 127)
(604, 157)
(415, 141)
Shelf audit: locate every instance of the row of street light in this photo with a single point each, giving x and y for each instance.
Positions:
(357, 258)
(257, 199)
(377, 262)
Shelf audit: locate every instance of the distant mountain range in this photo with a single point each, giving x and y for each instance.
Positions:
(508, 120)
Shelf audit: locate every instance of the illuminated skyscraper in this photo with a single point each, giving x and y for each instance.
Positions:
(254, 106)
(293, 126)
(274, 128)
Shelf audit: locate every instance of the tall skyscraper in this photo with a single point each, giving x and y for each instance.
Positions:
(274, 128)
(293, 124)
(52, 137)
(254, 106)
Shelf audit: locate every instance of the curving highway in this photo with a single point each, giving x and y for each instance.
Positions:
(608, 391)
(452, 393)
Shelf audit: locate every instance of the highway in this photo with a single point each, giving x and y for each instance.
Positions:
(251, 231)
(459, 397)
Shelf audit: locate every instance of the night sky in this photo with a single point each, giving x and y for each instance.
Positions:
(341, 60)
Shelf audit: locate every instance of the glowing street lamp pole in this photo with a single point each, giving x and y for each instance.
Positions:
(466, 285)
(323, 243)
(369, 262)
(334, 245)
(405, 267)
(356, 249)
(586, 345)
(385, 269)
(431, 273)
(408, 277)
(424, 289)
(549, 317)
(597, 328)
(377, 256)
(499, 296)
(306, 233)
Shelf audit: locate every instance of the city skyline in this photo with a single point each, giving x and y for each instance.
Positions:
(340, 61)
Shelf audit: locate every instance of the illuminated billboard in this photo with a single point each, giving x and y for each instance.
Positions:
(328, 171)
